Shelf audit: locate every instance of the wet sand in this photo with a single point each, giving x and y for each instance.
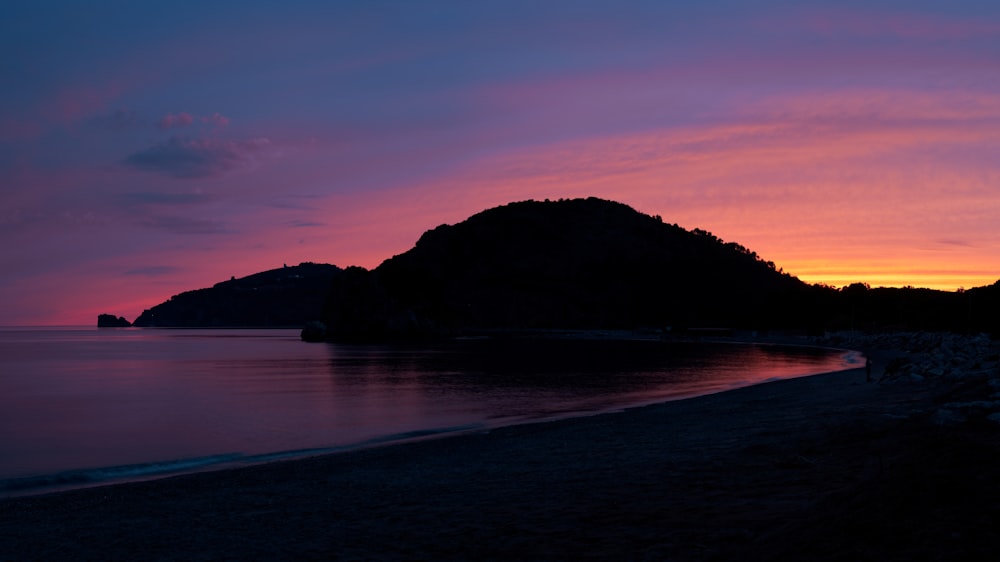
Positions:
(818, 468)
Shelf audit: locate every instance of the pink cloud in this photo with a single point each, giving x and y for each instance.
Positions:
(76, 102)
(184, 119)
(216, 119)
(171, 121)
(64, 106)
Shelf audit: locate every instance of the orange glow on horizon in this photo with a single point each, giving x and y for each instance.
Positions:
(862, 188)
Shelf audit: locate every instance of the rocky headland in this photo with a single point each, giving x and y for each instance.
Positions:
(288, 296)
(112, 321)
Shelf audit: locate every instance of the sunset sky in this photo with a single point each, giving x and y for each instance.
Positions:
(148, 149)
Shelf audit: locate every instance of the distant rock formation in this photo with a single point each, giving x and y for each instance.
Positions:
(112, 321)
(285, 297)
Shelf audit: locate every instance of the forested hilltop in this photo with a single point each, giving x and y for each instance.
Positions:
(287, 297)
(581, 263)
(597, 264)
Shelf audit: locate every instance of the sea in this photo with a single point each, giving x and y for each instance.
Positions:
(83, 406)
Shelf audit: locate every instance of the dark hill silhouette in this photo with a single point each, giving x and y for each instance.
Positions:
(577, 264)
(982, 309)
(571, 264)
(290, 296)
(869, 309)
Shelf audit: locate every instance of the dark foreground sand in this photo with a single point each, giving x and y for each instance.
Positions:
(820, 468)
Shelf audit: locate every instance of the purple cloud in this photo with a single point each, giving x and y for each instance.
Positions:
(299, 223)
(216, 119)
(117, 121)
(163, 198)
(185, 119)
(181, 157)
(170, 121)
(183, 225)
(955, 242)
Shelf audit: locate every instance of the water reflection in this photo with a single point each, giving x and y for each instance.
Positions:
(72, 399)
(514, 378)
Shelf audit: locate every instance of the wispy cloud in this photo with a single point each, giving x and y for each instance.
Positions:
(304, 224)
(181, 157)
(81, 100)
(163, 198)
(185, 119)
(216, 119)
(152, 271)
(184, 225)
(171, 121)
(118, 121)
(954, 242)
(883, 23)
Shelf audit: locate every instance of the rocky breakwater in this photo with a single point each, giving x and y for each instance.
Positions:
(969, 361)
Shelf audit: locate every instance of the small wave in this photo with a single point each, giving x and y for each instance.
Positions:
(853, 358)
(88, 477)
(83, 477)
(417, 434)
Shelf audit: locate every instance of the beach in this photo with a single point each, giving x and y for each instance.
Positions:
(828, 467)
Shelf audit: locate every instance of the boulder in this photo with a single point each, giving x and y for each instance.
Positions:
(314, 331)
(946, 417)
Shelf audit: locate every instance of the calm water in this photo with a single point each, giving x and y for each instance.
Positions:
(85, 406)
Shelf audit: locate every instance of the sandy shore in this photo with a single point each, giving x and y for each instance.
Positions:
(819, 468)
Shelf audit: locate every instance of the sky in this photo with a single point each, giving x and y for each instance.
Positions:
(148, 149)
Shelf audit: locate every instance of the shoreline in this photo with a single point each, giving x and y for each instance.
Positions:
(818, 467)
